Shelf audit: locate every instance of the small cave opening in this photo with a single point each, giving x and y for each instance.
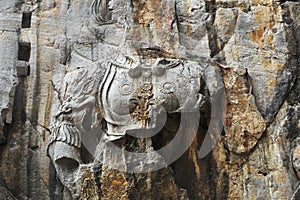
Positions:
(24, 51)
(26, 19)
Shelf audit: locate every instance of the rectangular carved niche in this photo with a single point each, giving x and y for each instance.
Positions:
(24, 51)
(26, 19)
(23, 69)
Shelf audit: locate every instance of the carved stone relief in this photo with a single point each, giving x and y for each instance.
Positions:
(143, 75)
(149, 99)
(133, 65)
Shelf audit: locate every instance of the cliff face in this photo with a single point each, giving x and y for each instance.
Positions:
(235, 64)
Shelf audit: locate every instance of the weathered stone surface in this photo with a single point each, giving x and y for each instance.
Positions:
(242, 133)
(70, 44)
(5, 194)
(261, 43)
(9, 54)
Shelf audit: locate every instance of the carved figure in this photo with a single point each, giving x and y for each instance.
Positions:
(147, 74)
(133, 94)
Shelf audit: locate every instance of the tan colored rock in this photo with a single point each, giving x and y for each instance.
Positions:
(244, 125)
(256, 157)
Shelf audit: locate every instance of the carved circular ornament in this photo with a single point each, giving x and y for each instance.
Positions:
(126, 89)
(168, 88)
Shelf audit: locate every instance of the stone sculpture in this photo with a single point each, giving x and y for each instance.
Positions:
(67, 67)
(145, 80)
(148, 60)
(133, 99)
(133, 94)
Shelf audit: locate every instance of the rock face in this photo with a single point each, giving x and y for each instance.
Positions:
(148, 99)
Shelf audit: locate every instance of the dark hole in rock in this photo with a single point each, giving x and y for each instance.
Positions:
(164, 62)
(24, 51)
(26, 19)
(68, 163)
(28, 70)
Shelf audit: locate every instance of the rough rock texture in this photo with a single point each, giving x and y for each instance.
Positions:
(8, 42)
(242, 134)
(55, 54)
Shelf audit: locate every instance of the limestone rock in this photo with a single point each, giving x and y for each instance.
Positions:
(172, 60)
(9, 54)
(244, 124)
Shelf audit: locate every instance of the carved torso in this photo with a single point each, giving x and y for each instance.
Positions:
(132, 95)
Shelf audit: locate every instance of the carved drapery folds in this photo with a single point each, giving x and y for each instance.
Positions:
(64, 130)
(64, 147)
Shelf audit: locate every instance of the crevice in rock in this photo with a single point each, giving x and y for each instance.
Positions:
(97, 168)
(18, 134)
(284, 1)
(211, 32)
(4, 131)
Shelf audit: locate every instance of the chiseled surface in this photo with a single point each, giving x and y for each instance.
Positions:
(254, 44)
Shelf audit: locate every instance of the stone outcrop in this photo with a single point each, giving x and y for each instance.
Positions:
(213, 86)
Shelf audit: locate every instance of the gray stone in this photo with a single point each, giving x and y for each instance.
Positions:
(22, 68)
(103, 72)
